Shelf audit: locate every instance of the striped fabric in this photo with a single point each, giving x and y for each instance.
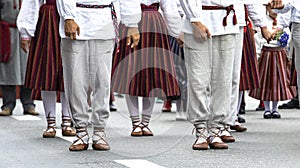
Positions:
(44, 66)
(293, 70)
(274, 76)
(147, 70)
(5, 43)
(249, 78)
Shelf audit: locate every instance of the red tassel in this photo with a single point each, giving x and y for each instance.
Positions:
(234, 20)
(225, 21)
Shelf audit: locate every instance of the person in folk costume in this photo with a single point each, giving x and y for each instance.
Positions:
(13, 61)
(88, 31)
(284, 22)
(147, 70)
(274, 77)
(181, 102)
(209, 57)
(245, 57)
(38, 25)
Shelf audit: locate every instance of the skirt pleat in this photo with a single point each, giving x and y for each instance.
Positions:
(274, 76)
(148, 69)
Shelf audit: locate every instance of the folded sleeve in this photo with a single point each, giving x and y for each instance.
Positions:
(130, 12)
(192, 9)
(28, 17)
(66, 8)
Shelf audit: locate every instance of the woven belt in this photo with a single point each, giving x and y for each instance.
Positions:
(113, 15)
(228, 10)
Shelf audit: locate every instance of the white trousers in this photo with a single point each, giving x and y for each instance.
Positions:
(209, 69)
(296, 44)
(87, 63)
(236, 73)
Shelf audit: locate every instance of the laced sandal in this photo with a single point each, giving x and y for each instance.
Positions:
(201, 141)
(50, 132)
(79, 144)
(145, 130)
(215, 141)
(100, 143)
(225, 135)
(136, 131)
(66, 129)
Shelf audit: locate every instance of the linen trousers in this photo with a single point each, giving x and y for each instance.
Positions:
(209, 69)
(236, 74)
(87, 63)
(296, 43)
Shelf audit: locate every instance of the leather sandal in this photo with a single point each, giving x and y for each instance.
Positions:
(136, 133)
(100, 144)
(66, 129)
(146, 130)
(201, 141)
(79, 144)
(215, 141)
(50, 132)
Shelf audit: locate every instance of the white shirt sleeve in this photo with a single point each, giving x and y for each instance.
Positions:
(28, 17)
(172, 17)
(283, 20)
(192, 9)
(66, 8)
(130, 12)
(255, 15)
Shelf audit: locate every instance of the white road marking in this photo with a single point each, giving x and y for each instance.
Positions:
(26, 118)
(67, 138)
(138, 163)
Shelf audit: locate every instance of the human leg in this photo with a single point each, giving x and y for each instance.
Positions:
(9, 99)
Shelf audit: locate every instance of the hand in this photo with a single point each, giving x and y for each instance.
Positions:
(133, 37)
(180, 40)
(71, 28)
(276, 4)
(200, 31)
(274, 32)
(25, 44)
(266, 34)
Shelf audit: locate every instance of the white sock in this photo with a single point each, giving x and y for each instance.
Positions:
(275, 106)
(267, 105)
(49, 102)
(133, 105)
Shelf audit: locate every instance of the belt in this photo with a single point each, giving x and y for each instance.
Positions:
(113, 15)
(227, 8)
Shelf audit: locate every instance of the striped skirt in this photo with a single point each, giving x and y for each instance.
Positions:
(44, 66)
(293, 70)
(249, 78)
(148, 69)
(274, 76)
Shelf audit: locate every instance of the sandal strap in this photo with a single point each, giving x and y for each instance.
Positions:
(142, 126)
(101, 138)
(80, 138)
(199, 132)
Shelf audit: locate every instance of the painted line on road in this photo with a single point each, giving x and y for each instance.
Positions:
(26, 118)
(138, 163)
(67, 138)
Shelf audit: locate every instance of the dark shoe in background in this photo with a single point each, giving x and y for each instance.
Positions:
(6, 112)
(290, 105)
(261, 106)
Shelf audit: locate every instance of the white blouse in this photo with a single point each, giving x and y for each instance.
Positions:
(171, 15)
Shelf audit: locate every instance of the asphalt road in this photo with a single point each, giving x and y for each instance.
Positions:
(271, 143)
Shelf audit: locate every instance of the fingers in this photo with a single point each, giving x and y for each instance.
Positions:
(136, 39)
(133, 37)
